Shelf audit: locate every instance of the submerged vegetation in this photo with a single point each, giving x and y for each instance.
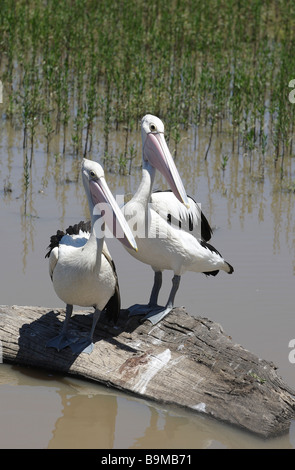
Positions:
(68, 66)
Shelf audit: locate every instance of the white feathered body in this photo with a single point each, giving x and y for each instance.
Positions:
(81, 273)
(164, 245)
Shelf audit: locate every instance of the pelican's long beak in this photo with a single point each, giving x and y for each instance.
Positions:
(112, 214)
(157, 153)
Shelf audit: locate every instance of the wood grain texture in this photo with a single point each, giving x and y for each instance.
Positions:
(184, 361)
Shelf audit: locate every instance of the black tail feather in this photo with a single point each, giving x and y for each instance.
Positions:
(211, 273)
(211, 248)
(231, 269)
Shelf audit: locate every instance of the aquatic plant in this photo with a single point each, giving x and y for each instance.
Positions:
(74, 66)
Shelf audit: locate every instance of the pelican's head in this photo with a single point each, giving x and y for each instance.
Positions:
(156, 152)
(99, 193)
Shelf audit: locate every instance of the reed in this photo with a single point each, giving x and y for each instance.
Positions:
(69, 65)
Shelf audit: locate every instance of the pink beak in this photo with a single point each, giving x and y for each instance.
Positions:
(158, 155)
(111, 212)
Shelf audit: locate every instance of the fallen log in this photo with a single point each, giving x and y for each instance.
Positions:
(184, 361)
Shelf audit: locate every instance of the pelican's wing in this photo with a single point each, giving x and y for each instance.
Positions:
(75, 235)
(81, 227)
(75, 241)
(191, 220)
(113, 306)
(53, 257)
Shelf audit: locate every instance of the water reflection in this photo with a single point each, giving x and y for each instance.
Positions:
(87, 422)
(55, 413)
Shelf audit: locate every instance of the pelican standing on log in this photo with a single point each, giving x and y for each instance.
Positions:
(171, 231)
(80, 265)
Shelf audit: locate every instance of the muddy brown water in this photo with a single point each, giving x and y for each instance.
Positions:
(254, 223)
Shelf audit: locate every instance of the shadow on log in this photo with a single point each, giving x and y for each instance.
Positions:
(182, 361)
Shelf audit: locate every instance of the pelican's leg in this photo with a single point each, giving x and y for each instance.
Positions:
(157, 315)
(139, 309)
(85, 344)
(64, 339)
(156, 289)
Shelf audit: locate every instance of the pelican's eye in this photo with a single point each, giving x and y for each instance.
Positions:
(153, 128)
(92, 174)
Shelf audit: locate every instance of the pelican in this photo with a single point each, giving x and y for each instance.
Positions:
(80, 265)
(170, 230)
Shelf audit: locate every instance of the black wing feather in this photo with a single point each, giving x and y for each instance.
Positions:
(113, 306)
(71, 230)
(206, 230)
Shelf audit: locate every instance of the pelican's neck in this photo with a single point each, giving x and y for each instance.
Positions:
(144, 191)
(95, 242)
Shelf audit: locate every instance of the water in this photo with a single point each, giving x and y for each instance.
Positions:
(254, 224)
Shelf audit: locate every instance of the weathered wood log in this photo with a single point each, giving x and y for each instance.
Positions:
(183, 361)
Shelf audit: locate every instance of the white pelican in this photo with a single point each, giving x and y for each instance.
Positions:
(168, 234)
(80, 265)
